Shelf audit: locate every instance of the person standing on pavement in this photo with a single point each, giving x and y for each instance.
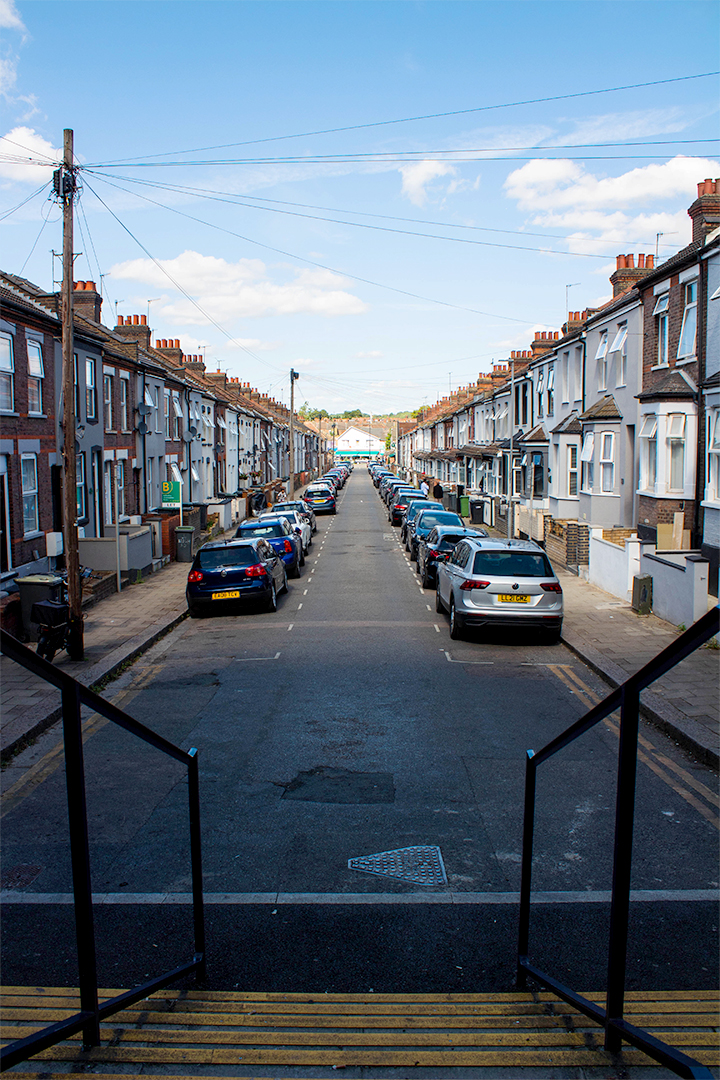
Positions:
(438, 491)
(424, 487)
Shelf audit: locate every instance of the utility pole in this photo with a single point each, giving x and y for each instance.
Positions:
(293, 376)
(65, 186)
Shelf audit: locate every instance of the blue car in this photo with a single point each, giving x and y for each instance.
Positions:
(228, 571)
(278, 533)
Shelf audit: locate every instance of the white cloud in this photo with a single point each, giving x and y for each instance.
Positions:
(10, 17)
(24, 145)
(417, 176)
(372, 355)
(228, 291)
(503, 346)
(550, 185)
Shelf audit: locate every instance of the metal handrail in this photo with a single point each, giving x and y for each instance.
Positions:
(627, 698)
(87, 1020)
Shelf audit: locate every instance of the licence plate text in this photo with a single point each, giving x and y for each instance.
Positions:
(226, 595)
(507, 599)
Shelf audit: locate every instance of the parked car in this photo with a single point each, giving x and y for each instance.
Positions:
(321, 499)
(299, 525)
(437, 546)
(421, 525)
(499, 583)
(240, 571)
(303, 508)
(414, 508)
(399, 503)
(280, 536)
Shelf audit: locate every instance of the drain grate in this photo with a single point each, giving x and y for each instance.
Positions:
(19, 877)
(420, 865)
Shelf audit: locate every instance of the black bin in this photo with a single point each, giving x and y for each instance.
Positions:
(184, 536)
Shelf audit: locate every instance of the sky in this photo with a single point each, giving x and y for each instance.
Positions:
(385, 196)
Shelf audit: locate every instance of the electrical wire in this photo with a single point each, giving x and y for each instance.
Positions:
(14, 209)
(311, 262)
(180, 288)
(37, 238)
(433, 116)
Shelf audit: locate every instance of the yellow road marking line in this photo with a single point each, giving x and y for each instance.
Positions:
(573, 681)
(46, 766)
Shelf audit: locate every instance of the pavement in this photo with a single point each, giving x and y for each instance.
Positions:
(602, 630)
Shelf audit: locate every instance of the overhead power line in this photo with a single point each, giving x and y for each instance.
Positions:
(432, 116)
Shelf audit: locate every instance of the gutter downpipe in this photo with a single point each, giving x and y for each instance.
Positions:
(144, 447)
(188, 444)
(696, 538)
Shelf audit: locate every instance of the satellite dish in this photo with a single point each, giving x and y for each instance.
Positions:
(187, 436)
(143, 428)
(192, 430)
(144, 409)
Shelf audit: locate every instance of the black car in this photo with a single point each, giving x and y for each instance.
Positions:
(425, 521)
(400, 502)
(414, 508)
(238, 571)
(436, 546)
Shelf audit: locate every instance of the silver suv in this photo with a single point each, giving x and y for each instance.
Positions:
(499, 583)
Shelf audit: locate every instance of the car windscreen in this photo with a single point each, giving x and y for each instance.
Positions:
(289, 515)
(512, 564)
(265, 530)
(234, 555)
(428, 518)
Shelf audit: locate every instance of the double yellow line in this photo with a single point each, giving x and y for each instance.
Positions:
(39, 772)
(672, 774)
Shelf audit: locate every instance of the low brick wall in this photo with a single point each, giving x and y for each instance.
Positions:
(618, 536)
(567, 542)
(170, 522)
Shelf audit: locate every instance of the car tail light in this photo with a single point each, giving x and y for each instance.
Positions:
(195, 575)
(288, 545)
(470, 584)
(551, 586)
(257, 570)
(433, 552)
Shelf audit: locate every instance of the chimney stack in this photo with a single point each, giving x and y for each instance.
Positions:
(134, 328)
(705, 211)
(87, 301)
(627, 274)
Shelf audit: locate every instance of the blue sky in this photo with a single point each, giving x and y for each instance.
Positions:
(277, 272)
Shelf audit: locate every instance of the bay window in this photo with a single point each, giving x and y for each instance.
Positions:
(676, 444)
(586, 459)
(572, 470)
(607, 462)
(648, 452)
(712, 493)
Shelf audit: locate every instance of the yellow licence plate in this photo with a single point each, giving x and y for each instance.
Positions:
(226, 595)
(506, 599)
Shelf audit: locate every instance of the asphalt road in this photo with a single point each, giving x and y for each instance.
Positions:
(347, 724)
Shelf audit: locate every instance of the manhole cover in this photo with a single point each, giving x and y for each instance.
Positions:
(421, 865)
(330, 785)
(19, 877)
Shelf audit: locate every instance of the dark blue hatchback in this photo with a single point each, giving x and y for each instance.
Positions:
(278, 533)
(232, 570)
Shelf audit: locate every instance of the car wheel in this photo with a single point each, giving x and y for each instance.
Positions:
(553, 636)
(295, 572)
(284, 584)
(272, 601)
(426, 582)
(456, 626)
(194, 612)
(301, 560)
(438, 598)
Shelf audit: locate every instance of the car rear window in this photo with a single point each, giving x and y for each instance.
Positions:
(265, 530)
(515, 564)
(448, 542)
(428, 518)
(237, 555)
(317, 493)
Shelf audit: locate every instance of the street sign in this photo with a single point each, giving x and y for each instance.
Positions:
(171, 494)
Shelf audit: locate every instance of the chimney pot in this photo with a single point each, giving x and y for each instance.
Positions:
(81, 284)
(177, 343)
(630, 262)
(90, 286)
(641, 262)
(136, 320)
(650, 262)
(120, 320)
(620, 262)
(143, 320)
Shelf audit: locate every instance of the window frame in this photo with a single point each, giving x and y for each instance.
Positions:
(606, 461)
(35, 378)
(32, 492)
(689, 321)
(551, 390)
(167, 407)
(675, 444)
(7, 374)
(572, 470)
(108, 401)
(90, 389)
(81, 513)
(124, 404)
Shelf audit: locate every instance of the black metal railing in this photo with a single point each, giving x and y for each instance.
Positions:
(627, 699)
(74, 696)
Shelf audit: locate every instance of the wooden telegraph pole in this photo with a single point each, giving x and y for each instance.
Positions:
(65, 186)
(293, 376)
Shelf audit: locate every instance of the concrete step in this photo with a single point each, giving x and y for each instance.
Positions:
(259, 1035)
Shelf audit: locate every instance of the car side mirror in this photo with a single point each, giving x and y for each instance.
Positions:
(297, 531)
